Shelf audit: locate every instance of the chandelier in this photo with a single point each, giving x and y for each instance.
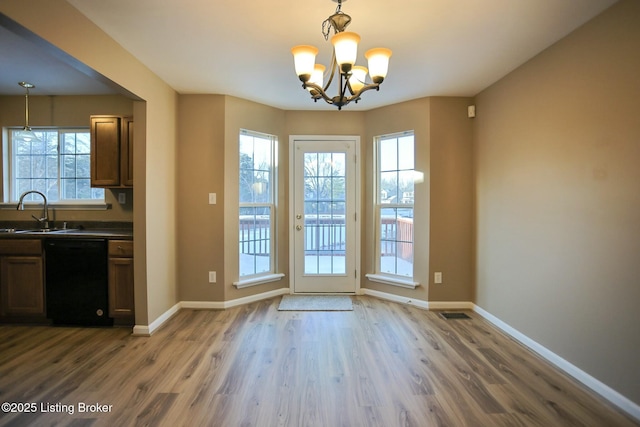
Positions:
(352, 78)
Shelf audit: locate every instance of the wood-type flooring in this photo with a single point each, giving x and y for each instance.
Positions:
(382, 364)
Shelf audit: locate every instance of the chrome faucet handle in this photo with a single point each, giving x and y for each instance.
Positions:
(44, 221)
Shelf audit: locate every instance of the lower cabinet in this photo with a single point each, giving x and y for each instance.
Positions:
(21, 280)
(121, 301)
(22, 287)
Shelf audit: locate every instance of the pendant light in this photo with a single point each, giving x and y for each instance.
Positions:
(27, 133)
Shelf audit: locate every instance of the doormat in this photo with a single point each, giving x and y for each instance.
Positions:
(315, 303)
(454, 315)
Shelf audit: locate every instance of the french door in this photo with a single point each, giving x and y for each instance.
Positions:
(324, 222)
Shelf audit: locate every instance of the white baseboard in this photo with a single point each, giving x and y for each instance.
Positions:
(146, 331)
(427, 305)
(395, 298)
(594, 384)
(221, 305)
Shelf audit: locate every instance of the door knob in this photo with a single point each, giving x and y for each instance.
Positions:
(298, 227)
(298, 216)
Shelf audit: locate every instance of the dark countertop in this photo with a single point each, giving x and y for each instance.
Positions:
(123, 231)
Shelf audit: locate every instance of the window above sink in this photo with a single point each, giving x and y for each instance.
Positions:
(54, 161)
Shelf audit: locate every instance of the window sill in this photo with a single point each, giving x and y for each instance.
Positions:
(393, 281)
(254, 281)
(60, 206)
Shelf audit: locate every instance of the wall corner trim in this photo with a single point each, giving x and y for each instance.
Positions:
(606, 392)
(146, 331)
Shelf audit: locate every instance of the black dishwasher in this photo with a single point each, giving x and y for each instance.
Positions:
(76, 282)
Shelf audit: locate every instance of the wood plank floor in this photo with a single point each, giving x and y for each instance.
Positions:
(382, 364)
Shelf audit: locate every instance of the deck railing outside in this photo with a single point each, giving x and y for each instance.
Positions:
(326, 234)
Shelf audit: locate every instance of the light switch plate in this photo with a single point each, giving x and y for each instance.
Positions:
(212, 198)
(437, 277)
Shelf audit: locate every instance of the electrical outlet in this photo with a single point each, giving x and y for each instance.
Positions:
(122, 198)
(212, 277)
(437, 277)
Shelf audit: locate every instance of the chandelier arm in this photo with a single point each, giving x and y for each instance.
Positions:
(356, 96)
(320, 93)
(344, 87)
(334, 67)
(365, 88)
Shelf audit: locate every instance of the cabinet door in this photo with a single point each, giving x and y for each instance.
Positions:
(105, 151)
(126, 152)
(121, 302)
(21, 286)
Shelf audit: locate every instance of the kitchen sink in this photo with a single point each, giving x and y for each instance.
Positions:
(45, 230)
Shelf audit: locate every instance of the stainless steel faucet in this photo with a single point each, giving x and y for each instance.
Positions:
(44, 221)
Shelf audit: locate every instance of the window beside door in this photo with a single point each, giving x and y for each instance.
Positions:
(257, 204)
(394, 208)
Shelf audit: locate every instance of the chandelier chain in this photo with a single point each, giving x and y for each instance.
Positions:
(327, 23)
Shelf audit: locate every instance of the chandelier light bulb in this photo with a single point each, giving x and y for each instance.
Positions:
(358, 78)
(317, 77)
(345, 45)
(378, 63)
(304, 58)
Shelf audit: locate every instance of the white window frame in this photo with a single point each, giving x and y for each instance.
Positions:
(400, 203)
(258, 278)
(10, 191)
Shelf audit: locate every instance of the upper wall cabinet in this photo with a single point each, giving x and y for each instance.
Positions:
(111, 151)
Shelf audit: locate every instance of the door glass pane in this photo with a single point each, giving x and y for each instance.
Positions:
(324, 213)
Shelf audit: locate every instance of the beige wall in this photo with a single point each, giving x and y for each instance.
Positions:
(556, 186)
(67, 111)
(242, 114)
(200, 172)
(208, 159)
(558, 203)
(451, 199)
(154, 151)
(407, 116)
(208, 163)
(443, 239)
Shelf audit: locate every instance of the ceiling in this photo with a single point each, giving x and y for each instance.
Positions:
(440, 47)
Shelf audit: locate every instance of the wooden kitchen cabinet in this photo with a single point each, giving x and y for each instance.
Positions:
(111, 151)
(21, 280)
(126, 152)
(121, 294)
